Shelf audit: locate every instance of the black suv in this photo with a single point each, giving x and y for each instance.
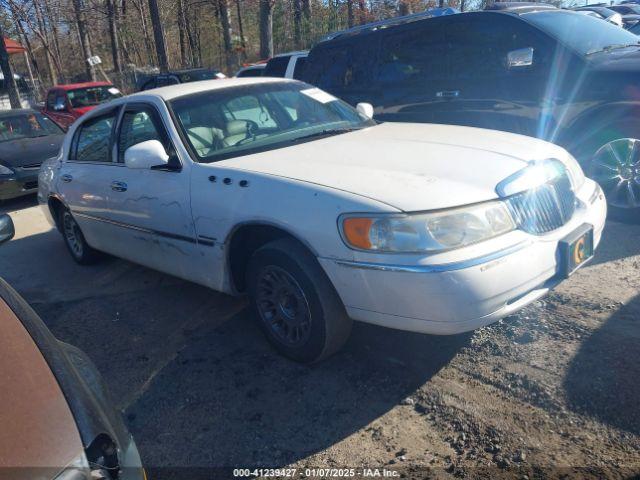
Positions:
(553, 74)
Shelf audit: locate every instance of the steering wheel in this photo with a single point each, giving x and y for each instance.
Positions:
(252, 133)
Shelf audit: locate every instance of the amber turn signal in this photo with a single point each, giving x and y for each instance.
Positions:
(356, 232)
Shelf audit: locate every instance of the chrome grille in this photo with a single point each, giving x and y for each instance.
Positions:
(544, 208)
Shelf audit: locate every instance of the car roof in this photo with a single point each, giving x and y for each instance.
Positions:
(519, 7)
(174, 91)
(74, 86)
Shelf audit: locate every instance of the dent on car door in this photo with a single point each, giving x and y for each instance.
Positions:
(149, 207)
(84, 177)
(489, 92)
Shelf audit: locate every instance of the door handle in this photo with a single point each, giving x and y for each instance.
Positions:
(448, 94)
(118, 186)
(66, 178)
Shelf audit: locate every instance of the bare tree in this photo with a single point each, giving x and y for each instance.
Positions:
(225, 22)
(297, 23)
(83, 34)
(158, 35)
(350, 18)
(243, 40)
(9, 80)
(266, 28)
(112, 18)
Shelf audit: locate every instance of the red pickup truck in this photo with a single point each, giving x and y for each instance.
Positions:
(65, 103)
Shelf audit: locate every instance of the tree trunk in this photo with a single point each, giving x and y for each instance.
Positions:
(24, 38)
(85, 44)
(112, 16)
(404, 8)
(225, 22)
(350, 15)
(182, 32)
(297, 23)
(362, 11)
(243, 40)
(9, 80)
(462, 5)
(266, 29)
(158, 35)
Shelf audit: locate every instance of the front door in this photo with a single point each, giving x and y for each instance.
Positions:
(484, 91)
(85, 177)
(58, 108)
(150, 208)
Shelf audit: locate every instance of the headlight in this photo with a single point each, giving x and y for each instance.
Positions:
(426, 232)
(5, 170)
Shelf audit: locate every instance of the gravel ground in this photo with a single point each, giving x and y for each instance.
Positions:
(550, 392)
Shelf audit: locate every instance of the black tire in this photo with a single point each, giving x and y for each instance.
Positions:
(591, 155)
(302, 315)
(74, 239)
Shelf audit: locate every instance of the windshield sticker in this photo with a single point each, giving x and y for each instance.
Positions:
(318, 95)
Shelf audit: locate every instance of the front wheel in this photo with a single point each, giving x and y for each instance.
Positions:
(616, 167)
(295, 303)
(80, 250)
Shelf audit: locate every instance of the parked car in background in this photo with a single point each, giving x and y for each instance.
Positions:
(626, 8)
(64, 104)
(286, 65)
(254, 70)
(278, 189)
(179, 76)
(58, 420)
(27, 138)
(604, 13)
(552, 74)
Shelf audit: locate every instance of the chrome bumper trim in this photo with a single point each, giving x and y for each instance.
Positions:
(444, 267)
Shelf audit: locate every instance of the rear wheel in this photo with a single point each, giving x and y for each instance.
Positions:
(75, 241)
(295, 303)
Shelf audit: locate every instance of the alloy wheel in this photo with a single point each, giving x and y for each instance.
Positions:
(73, 235)
(283, 306)
(616, 167)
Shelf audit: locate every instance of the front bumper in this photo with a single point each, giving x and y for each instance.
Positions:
(23, 182)
(454, 294)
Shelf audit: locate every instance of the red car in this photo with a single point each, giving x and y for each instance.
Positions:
(66, 103)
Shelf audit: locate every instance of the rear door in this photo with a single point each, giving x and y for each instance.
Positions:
(85, 177)
(412, 71)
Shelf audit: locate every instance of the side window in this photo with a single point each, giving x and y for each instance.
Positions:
(93, 139)
(138, 126)
(298, 70)
(51, 100)
(249, 108)
(276, 67)
(339, 68)
(479, 47)
(149, 84)
(413, 57)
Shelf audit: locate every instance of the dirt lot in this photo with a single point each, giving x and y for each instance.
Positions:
(551, 391)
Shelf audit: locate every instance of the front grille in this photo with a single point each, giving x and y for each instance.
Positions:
(544, 208)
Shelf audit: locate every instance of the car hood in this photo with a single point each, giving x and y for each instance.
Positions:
(29, 151)
(411, 167)
(38, 429)
(83, 110)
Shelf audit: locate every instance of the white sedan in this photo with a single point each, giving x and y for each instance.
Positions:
(277, 189)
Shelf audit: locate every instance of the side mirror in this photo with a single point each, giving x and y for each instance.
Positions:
(365, 109)
(523, 57)
(7, 230)
(145, 155)
(59, 107)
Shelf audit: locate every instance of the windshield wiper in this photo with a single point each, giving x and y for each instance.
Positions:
(614, 47)
(325, 133)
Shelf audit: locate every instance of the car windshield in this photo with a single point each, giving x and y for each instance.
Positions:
(224, 123)
(26, 125)
(89, 96)
(582, 33)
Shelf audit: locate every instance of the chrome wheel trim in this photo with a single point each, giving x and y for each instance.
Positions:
(72, 235)
(283, 306)
(616, 167)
